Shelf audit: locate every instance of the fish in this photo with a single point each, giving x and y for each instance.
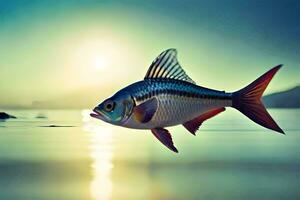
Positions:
(167, 97)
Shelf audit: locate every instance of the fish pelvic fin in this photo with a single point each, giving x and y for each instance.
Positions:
(248, 101)
(193, 125)
(164, 136)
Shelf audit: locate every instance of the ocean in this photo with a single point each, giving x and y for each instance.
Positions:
(69, 155)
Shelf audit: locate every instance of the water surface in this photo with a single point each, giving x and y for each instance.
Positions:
(69, 155)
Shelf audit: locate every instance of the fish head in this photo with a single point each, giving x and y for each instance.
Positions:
(114, 110)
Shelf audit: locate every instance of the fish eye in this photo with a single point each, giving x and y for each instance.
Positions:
(109, 105)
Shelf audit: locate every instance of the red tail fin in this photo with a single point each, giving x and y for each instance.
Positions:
(248, 101)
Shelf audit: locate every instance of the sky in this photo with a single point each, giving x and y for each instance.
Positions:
(69, 54)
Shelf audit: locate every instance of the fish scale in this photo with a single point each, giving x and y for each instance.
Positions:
(179, 101)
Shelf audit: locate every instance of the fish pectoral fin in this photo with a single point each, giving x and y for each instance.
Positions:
(193, 125)
(164, 136)
(145, 111)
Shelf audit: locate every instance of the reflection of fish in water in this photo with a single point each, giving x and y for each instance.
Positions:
(168, 96)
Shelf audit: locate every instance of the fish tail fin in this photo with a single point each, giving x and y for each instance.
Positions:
(248, 101)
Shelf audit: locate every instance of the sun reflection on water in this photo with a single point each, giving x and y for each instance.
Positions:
(101, 152)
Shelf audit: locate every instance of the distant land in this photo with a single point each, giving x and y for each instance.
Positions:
(285, 99)
(87, 99)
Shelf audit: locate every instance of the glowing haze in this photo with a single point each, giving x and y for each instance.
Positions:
(72, 54)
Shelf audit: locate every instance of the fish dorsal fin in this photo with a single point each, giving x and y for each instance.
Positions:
(167, 66)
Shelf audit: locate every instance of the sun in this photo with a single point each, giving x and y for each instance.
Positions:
(99, 62)
(89, 58)
(93, 54)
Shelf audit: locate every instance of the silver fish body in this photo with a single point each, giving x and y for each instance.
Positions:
(178, 101)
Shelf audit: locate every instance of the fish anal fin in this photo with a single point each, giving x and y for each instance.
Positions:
(144, 112)
(164, 136)
(193, 125)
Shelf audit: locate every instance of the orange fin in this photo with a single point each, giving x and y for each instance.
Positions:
(144, 112)
(164, 136)
(193, 125)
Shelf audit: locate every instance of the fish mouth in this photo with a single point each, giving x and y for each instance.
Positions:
(96, 114)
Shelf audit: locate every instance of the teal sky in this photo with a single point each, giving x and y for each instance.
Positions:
(77, 52)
